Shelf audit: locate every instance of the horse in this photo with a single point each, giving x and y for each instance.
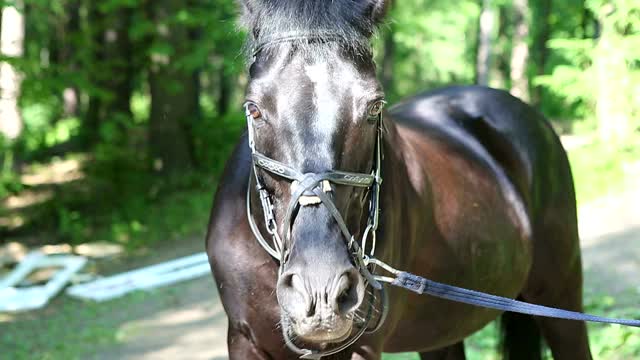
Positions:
(464, 185)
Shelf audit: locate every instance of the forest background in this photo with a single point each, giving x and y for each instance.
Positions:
(116, 116)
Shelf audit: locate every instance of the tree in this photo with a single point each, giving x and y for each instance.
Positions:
(485, 34)
(113, 67)
(11, 48)
(520, 51)
(174, 89)
(388, 55)
(501, 47)
(70, 30)
(615, 54)
(540, 51)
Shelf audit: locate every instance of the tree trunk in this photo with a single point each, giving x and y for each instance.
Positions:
(225, 91)
(113, 71)
(91, 127)
(388, 59)
(174, 94)
(540, 49)
(614, 90)
(11, 45)
(121, 64)
(485, 34)
(500, 66)
(520, 52)
(70, 95)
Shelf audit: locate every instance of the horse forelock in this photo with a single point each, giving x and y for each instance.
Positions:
(353, 21)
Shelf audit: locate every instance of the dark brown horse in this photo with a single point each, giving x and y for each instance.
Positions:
(477, 193)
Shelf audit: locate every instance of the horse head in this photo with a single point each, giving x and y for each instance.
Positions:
(314, 110)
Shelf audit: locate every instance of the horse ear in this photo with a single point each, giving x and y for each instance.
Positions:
(378, 9)
(246, 7)
(248, 16)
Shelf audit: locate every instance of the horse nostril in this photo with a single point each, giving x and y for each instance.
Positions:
(346, 293)
(293, 281)
(343, 297)
(293, 291)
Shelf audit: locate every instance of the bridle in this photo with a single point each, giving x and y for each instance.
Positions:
(316, 186)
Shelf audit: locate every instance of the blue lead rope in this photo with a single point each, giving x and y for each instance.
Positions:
(421, 285)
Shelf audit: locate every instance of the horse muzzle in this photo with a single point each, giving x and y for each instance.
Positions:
(319, 305)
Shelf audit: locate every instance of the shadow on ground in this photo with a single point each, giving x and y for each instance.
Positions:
(612, 264)
(194, 329)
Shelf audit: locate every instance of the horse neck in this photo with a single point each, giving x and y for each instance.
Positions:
(405, 192)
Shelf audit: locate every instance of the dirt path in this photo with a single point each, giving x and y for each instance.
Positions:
(610, 231)
(195, 328)
(610, 241)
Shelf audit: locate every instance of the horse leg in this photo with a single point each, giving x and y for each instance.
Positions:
(242, 346)
(556, 280)
(520, 337)
(451, 352)
(567, 338)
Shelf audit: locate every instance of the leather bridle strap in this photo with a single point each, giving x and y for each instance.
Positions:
(337, 177)
(296, 36)
(309, 185)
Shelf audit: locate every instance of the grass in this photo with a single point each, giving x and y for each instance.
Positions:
(70, 329)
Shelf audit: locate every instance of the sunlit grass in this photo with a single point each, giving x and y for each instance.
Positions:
(80, 330)
(602, 168)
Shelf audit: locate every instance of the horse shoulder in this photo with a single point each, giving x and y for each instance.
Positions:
(466, 181)
(245, 274)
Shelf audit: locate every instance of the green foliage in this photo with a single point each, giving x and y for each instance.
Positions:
(571, 80)
(215, 139)
(424, 33)
(596, 74)
(9, 179)
(600, 169)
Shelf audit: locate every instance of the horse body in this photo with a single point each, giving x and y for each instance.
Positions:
(477, 193)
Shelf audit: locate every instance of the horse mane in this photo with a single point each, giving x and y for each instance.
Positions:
(353, 21)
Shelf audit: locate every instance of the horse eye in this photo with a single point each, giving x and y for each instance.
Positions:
(254, 111)
(376, 109)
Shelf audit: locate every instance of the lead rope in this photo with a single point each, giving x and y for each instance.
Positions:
(422, 285)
